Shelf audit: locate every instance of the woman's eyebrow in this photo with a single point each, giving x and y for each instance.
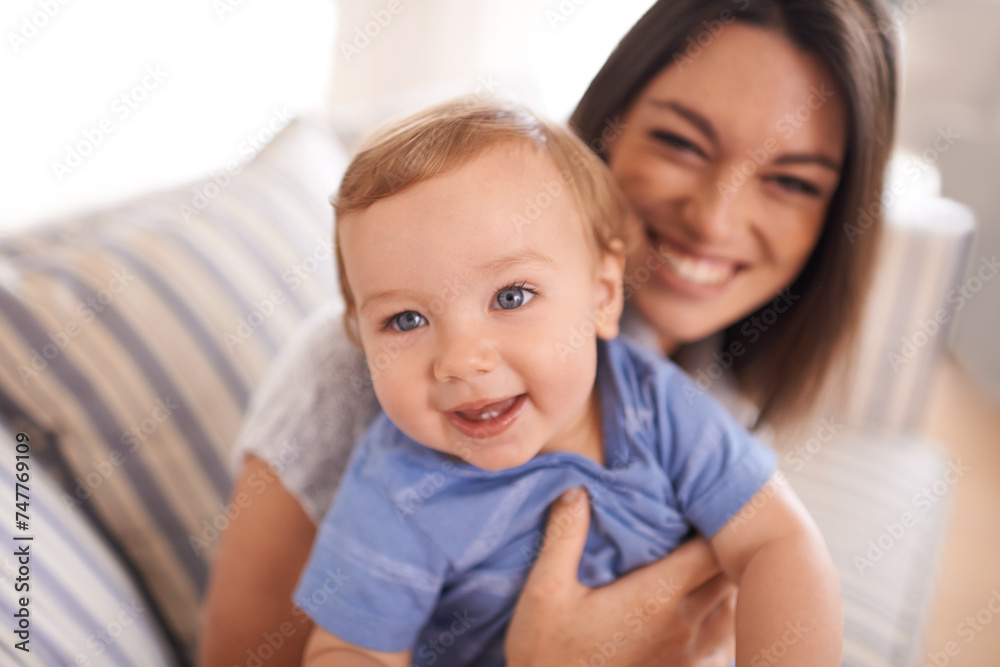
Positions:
(706, 128)
(691, 116)
(809, 158)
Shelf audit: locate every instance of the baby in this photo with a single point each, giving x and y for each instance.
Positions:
(481, 257)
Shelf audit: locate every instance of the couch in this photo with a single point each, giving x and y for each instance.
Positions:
(131, 341)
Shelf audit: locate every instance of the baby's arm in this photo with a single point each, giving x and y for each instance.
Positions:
(789, 597)
(324, 649)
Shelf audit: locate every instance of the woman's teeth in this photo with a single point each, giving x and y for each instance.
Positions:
(698, 271)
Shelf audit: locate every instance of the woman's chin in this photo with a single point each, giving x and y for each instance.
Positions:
(677, 320)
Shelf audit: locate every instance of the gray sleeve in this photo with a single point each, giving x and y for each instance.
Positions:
(314, 403)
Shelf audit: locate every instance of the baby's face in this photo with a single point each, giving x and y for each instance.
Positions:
(479, 299)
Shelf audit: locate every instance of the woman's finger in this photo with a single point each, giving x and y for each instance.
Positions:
(565, 536)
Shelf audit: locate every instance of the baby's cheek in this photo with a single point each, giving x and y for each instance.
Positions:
(569, 375)
(389, 388)
(406, 411)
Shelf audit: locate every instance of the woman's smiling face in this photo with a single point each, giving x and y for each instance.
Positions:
(730, 159)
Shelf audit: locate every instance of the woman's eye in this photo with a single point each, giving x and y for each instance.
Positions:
(796, 185)
(513, 297)
(407, 321)
(676, 141)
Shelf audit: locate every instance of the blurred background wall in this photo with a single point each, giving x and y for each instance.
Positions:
(108, 98)
(952, 80)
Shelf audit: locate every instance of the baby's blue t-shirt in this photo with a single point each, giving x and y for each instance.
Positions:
(423, 551)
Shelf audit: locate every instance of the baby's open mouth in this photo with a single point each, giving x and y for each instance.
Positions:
(487, 419)
(488, 411)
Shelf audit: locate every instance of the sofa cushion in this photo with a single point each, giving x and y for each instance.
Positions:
(137, 335)
(82, 607)
(882, 501)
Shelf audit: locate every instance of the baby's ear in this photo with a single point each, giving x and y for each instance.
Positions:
(351, 325)
(611, 300)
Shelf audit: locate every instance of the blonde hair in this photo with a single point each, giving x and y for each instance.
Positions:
(448, 136)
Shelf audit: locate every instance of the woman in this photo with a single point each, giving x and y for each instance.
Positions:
(745, 134)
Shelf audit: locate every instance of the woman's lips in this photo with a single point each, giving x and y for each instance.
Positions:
(693, 274)
(486, 420)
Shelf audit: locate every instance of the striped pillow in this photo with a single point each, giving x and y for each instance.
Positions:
(882, 502)
(137, 336)
(82, 606)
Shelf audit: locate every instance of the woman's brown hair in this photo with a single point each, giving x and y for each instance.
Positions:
(785, 370)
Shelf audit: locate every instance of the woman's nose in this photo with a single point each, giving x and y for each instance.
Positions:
(715, 213)
(464, 352)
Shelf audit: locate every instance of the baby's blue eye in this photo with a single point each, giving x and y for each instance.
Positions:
(513, 297)
(407, 321)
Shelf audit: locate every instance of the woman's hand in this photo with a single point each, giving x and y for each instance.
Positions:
(677, 611)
